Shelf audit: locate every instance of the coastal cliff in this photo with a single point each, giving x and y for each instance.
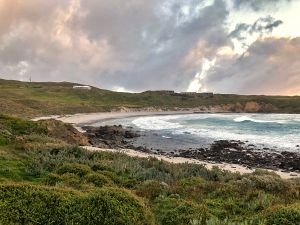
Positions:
(248, 107)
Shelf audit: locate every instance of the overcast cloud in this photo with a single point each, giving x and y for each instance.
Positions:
(138, 45)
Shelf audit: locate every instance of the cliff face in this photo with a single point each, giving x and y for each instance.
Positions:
(259, 107)
(248, 107)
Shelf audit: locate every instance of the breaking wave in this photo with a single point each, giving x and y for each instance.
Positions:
(249, 119)
(155, 123)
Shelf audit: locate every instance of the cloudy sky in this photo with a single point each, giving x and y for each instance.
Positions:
(224, 46)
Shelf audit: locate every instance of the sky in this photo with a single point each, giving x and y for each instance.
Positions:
(221, 46)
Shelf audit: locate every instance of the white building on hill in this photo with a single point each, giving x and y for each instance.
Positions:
(82, 87)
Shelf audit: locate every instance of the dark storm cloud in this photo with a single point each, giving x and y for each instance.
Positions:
(258, 5)
(260, 26)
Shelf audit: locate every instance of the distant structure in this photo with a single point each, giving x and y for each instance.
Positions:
(189, 93)
(202, 94)
(82, 87)
(161, 92)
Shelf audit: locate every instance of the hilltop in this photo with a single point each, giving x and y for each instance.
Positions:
(31, 99)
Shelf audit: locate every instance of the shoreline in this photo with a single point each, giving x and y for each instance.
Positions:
(87, 118)
(234, 168)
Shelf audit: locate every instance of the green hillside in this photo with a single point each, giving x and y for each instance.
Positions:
(37, 99)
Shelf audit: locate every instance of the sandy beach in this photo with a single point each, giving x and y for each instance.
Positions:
(86, 118)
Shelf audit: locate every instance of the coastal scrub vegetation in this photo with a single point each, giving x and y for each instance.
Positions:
(46, 178)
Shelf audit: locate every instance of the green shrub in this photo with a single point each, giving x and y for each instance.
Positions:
(289, 215)
(109, 207)
(24, 204)
(18, 126)
(4, 141)
(78, 169)
(98, 180)
(52, 179)
(268, 183)
(151, 189)
(71, 180)
(172, 211)
(32, 205)
(34, 169)
(192, 181)
(262, 172)
(101, 167)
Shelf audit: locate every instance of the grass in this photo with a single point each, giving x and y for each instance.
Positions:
(38, 99)
(46, 179)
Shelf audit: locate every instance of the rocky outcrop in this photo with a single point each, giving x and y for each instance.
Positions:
(252, 107)
(109, 136)
(65, 132)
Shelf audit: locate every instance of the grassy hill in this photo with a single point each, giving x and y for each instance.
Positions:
(37, 99)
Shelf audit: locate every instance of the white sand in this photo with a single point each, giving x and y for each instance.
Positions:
(86, 118)
(83, 118)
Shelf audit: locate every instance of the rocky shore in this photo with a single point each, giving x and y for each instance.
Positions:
(109, 136)
(238, 153)
(222, 151)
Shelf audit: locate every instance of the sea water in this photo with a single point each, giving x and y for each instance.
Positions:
(280, 132)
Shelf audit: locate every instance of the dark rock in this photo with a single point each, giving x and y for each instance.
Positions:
(109, 136)
(234, 152)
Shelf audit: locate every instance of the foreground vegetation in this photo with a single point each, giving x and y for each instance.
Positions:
(46, 179)
(38, 99)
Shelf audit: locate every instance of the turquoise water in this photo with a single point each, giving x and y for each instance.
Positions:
(276, 131)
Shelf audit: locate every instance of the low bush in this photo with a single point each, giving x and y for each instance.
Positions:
(173, 211)
(151, 189)
(52, 179)
(98, 180)
(18, 126)
(109, 207)
(78, 169)
(268, 183)
(25, 204)
(287, 215)
(21, 204)
(4, 141)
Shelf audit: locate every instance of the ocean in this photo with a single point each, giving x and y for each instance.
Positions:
(279, 132)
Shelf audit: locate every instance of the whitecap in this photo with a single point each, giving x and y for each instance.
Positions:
(155, 123)
(249, 119)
